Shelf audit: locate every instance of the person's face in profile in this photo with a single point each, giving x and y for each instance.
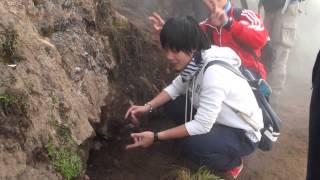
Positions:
(179, 60)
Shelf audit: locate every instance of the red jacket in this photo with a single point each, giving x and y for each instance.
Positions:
(248, 30)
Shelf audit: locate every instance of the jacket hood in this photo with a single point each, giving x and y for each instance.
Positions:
(223, 54)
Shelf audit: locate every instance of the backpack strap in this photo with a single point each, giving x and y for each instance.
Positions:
(268, 112)
(237, 13)
(225, 65)
(242, 115)
(244, 4)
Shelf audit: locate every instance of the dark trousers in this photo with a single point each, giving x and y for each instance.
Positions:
(313, 171)
(221, 149)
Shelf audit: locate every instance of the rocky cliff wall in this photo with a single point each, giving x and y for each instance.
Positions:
(69, 69)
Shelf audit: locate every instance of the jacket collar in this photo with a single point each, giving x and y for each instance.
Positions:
(193, 67)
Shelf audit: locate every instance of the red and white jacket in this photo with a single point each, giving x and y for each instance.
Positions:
(249, 30)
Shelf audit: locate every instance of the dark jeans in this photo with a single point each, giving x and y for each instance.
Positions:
(313, 171)
(221, 149)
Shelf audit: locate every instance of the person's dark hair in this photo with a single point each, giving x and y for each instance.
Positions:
(183, 34)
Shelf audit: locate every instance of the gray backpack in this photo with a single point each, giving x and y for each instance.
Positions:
(272, 123)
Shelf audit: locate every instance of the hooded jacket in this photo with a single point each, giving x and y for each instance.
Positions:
(249, 30)
(216, 93)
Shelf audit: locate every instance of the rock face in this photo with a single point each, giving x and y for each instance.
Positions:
(70, 64)
(139, 10)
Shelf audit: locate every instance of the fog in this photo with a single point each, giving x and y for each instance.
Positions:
(307, 43)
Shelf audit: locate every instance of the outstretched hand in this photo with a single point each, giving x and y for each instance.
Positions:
(135, 112)
(144, 139)
(157, 22)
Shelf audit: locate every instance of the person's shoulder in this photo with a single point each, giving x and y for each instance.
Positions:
(245, 14)
(223, 54)
(217, 51)
(247, 11)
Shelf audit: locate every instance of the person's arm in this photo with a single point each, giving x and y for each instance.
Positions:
(162, 98)
(173, 133)
(215, 91)
(136, 111)
(146, 139)
(175, 89)
(250, 29)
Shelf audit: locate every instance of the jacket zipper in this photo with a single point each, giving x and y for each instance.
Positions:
(218, 31)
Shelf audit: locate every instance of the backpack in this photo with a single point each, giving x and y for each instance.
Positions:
(272, 123)
(267, 51)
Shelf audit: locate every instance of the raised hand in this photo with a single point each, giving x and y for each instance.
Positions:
(135, 112)
(218, 16)
(157, 22)
(144, 139)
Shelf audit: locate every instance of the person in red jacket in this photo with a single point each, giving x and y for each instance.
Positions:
(248, 31)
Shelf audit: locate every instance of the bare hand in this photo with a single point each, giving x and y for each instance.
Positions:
(157, 22)
(218, 16)
(144, 139)
(135, 112)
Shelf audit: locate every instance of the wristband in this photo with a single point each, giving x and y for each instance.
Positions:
(150, 106)
(155, 137)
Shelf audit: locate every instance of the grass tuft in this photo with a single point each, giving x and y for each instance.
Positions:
(9, 45)
(14, 102)
(64, 160)
(185, 174)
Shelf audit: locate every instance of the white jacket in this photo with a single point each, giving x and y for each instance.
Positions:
(215, 91)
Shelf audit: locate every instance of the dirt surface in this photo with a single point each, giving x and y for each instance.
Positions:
(113, 161)
(286, 161)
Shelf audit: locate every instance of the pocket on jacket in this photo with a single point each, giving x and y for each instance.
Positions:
(288, 33)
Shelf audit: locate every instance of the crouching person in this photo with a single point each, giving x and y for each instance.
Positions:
(204, 101)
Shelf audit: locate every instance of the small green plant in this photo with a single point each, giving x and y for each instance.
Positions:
(63, 132)
(7, 99)
(55, 99)
(17, 101)
(65, 135)
(64, 160)
(185, 174)
(9, 45)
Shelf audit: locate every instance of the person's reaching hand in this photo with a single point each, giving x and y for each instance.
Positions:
(135, 112)
(157, 22)
(144, 139)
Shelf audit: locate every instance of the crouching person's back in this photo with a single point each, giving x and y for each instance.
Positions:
(209, 103)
